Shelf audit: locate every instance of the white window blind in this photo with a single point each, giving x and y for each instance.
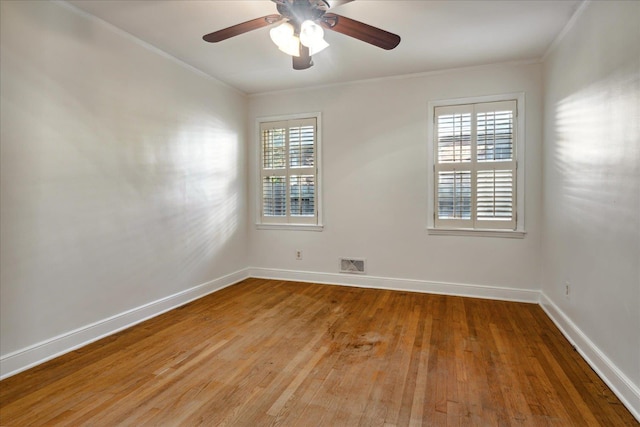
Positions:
(475, 166)
(289, 172)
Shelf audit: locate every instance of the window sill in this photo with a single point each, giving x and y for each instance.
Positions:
(296, 227)
(509, 234)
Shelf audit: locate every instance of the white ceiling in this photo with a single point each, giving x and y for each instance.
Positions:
(436, 35)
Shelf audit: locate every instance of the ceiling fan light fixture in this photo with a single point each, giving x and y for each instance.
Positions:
(317, 47)
(291, 46)
(283, 37)
(312, 36)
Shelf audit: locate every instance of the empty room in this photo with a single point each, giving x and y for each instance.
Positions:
(319, 213)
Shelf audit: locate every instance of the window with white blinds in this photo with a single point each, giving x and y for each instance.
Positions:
(475, 166)
(289, 171)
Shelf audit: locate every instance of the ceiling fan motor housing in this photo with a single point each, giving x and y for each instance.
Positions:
(298, 11)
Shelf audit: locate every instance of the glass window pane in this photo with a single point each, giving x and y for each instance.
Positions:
(454, 195)
(302, 195)
(454, 138)
(495, 135)
(301, 147)
(274, 195)
(273, 148)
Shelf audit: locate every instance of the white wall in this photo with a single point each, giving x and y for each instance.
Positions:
(123, 175)
(375, 183)
(592, 190)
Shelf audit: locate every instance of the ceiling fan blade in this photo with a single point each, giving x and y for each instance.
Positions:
(242, 28)
(303, 61)
(360, 31)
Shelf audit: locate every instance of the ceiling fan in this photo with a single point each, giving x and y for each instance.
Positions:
(301, 34)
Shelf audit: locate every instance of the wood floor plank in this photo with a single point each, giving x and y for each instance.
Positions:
(277, 353)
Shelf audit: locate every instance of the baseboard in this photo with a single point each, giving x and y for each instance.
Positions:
(36, 354)
(411, 285)
(18, 361)
(617, 381)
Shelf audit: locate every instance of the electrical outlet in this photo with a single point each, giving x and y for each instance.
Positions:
(567, 289)
(298, 254)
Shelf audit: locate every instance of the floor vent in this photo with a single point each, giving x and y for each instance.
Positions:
(351, 265)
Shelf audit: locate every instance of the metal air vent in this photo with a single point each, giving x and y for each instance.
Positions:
(352, 265)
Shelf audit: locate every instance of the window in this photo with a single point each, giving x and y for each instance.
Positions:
(475, 166)
(289, 180)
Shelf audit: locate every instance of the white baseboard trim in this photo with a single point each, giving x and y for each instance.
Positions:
(617, 381)
(21, 360)
(624, 389)
(410, 285)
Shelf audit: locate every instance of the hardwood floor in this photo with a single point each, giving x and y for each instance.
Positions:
(267, 352)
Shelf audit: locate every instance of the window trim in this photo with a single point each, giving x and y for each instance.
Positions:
(260, 225)
(519, 231)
